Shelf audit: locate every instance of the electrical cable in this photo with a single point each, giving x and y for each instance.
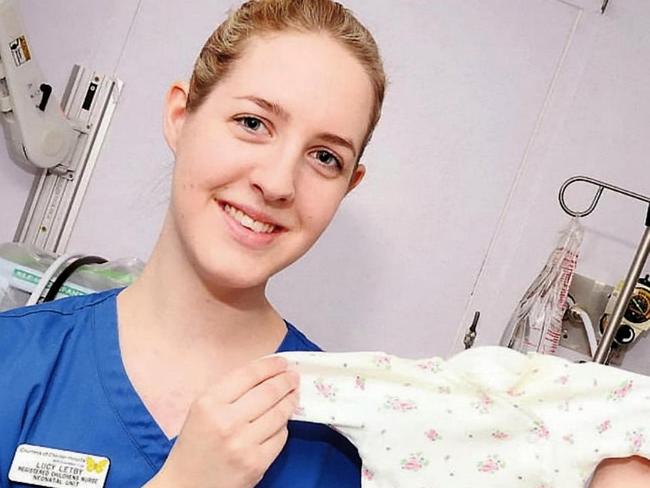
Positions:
(589, 328)
(68, 271)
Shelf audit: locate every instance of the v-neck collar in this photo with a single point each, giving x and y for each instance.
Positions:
(136, 419)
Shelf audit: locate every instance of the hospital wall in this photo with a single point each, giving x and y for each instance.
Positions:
(491, 106)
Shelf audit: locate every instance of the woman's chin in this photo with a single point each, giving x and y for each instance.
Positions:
(234, 279)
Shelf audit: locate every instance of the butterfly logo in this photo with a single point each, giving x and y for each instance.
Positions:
(96, 466)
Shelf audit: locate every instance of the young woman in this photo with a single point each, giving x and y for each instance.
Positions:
(165, 378)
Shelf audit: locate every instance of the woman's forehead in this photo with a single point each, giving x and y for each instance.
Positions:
(303, 76)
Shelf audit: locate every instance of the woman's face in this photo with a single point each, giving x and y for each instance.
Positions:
(263, 164)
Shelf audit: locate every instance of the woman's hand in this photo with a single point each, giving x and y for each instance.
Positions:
(235, 430)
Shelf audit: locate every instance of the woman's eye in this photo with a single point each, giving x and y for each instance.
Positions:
(252, 124)
(328, 159)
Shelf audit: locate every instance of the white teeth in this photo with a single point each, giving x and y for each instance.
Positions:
(259, 227)
(247, 221)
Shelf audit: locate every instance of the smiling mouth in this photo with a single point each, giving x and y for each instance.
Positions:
(249, 222)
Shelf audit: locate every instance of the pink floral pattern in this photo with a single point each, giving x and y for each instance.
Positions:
(383, 361)
(482, 425)
(500, 435)
(622, 391)
(415, 462)
(433, 435)
(326, 390)
(432, 366)
(491, 464)
(540, 430)
(484, 403)
(366, 474)
(515, 392)
(397, 404)
(603, 426)
(635, 439)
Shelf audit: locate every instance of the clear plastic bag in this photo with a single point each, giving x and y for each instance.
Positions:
(22, 268)
(536, 323)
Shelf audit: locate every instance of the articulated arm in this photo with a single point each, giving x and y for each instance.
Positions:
(38, 128)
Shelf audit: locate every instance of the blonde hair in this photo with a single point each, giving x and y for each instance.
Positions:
(254, 17)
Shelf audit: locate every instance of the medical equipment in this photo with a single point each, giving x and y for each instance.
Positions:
(470, 336)
(627, 290)
(590, 306)
(578, 314)
(48, 275)
(29, 276)
(636, 317)
(61, 142)
(638, 312)
(37, 127)
(586, 304)
(536, 323)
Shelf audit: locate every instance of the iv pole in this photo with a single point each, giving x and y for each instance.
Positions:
(640, 258)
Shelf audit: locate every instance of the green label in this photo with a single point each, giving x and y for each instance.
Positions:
(66, 290)
(70, 292)
(26, 276)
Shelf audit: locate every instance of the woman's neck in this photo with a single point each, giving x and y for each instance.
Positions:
(174, 327)
(169, 306)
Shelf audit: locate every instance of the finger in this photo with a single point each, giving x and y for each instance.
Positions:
(270, 449)
(265, 396)
(271, 422)
(239, 381)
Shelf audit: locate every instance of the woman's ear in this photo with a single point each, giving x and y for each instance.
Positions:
(359, 173)
(175, 113)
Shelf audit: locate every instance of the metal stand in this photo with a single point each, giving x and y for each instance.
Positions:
(640, 258)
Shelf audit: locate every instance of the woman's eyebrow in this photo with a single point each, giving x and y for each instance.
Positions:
(268, 106)
(334, 139)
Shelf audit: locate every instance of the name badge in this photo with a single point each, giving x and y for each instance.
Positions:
(54, 468)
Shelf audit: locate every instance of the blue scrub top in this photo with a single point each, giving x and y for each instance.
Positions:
(63, 385)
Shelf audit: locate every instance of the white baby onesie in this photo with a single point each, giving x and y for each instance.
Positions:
(488, 417)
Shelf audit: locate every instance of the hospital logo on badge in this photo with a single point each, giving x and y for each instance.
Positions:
(95, 466)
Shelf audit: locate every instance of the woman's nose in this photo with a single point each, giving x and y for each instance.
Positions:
(276, 179)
